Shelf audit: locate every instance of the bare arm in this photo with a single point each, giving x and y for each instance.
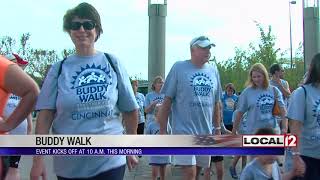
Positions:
(164, 114)
(131, 121)
(43, 125)
(284, 91)
(284, 121)
(29, 121)
(217, 118)
(298, 163)
(20, 84)
(236, 122)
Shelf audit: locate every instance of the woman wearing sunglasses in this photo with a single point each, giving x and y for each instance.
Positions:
(82, 96)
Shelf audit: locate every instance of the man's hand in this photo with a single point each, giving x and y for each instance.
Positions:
(132, 162)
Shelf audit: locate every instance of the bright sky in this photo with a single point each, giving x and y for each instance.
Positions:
(228, 23)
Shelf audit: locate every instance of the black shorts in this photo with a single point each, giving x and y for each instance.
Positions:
(216, 158)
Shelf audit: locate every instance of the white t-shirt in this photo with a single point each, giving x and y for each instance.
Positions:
(12, 104)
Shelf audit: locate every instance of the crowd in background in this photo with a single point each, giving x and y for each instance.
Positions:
(190, 100)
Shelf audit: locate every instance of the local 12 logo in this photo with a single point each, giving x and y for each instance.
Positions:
(290, 140)
(286, 140)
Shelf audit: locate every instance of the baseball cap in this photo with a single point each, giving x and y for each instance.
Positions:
(201, 41)
(18, 59)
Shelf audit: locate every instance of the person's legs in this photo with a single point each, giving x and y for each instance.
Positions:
(207, 173)
(155, 172)
(234, 161)
(202, 162)
(218, 161)
(219, 169)
(162, 172)
(189, 172)
(12, 174)
(188, 165)
(244, 161)
(114, 174)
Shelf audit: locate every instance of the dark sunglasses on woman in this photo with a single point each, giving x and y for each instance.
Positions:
(87, 25)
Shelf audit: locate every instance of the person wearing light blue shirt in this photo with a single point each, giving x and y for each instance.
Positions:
(258, 100)
(85, 94)
(192, 95)
(304, 118)
(158, 163)
(153, 98)
(141, 101)
(228, 102)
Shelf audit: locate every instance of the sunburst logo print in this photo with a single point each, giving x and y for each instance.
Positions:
(265, 103)
(91, 83)
(202, 84)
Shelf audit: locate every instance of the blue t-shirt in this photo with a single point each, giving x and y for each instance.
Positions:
(306, 109)
(228, 105)
(254, 171)
(194, 92)
(88, 97)
(140, 100)
(150, 98)
(153, 128)
(243, 128)
(258, 103)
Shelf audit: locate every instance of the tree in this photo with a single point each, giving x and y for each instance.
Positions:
(236, 69)
(39, 59)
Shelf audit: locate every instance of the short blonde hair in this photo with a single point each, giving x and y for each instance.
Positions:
(155, 80)
(258, 67)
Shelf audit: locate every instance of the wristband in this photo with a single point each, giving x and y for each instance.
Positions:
(217, 128)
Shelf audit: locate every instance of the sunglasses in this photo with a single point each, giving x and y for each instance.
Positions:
(87, 25)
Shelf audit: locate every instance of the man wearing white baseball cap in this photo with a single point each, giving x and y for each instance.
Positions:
(192, 94)
(201, 41)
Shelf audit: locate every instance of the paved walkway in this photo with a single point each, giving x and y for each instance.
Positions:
(141, 172)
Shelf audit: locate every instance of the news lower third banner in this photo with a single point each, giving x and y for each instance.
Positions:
(141, 145)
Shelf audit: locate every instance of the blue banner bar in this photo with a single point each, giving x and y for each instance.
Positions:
(93, 151)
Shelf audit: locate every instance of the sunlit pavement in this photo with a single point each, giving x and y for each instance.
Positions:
(141, 172)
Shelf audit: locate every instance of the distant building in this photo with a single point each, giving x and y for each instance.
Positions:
(143, 86)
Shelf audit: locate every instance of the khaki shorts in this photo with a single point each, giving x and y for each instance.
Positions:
(191, 160)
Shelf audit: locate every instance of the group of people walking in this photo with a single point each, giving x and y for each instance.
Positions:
(189, 101)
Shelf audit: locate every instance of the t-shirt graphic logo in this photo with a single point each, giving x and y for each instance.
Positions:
(91, 83)
(230, 104)
(159, 99)
(202, 84)
(316, 110)
(265, 103)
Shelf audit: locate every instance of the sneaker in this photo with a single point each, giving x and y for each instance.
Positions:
(233, 172)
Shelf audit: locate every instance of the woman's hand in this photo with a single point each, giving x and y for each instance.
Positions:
(132, 162)
(38, 169)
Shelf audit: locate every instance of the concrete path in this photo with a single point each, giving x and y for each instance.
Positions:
(141, 172)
